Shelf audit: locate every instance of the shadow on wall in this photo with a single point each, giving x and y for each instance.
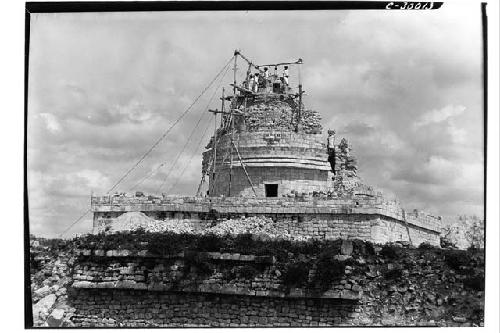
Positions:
(153, 309)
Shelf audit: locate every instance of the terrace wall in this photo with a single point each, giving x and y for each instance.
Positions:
(363, 217)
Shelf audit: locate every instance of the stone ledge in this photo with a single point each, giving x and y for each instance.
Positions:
(264, 259)
(219, 289)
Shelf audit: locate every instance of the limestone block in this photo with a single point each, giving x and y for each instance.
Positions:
(42, 292)
(56, 318)
(42, 307)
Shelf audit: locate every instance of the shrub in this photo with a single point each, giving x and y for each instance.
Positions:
(363, 248)
(426, 246)
(204, 268)
(308, 247)
(279, 249)
(446, 243)
(475, 282)
(163, 247)
(389, 252)
(247, 272)
(328, 270)
(296, 274)
(212, 215)
(229, 274)
(210, 243)
(243, 243)
(455, 259)
(194, 260)
(393, 274)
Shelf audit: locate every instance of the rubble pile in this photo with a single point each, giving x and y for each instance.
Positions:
(280, 115)
(136, 220)
(311, 122)
(344, 183)
(50, 266)
(422, 287)
(271, 115)
(260, 226)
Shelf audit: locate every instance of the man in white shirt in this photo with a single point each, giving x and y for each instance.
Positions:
(331, 149)
(256, 82)
(285, 75)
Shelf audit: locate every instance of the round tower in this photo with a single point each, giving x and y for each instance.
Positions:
(268, 144)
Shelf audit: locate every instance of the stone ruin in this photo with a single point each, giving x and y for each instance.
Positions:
(271, 176)
(273, 156)
(269, 158)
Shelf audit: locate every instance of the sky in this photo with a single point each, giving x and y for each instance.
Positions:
(404, 87)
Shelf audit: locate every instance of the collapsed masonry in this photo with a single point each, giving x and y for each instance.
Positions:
(174, 280)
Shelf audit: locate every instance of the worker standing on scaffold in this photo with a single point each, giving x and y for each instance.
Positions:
(285, 75)
(256, 83)
(331, 149)
(266, 77)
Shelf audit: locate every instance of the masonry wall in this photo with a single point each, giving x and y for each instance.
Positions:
(367, 217)
(384, 286)
(390, 230)
(288, 180)
(323, 226)
(297, 161)
(145, 308)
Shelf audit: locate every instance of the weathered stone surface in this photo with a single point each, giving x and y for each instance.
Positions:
(346, 247)
(42, 292)
(367, 217)
(43, 306)
(56, 318)
(417, 287)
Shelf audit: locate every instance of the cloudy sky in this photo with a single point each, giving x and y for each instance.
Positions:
(404, 87)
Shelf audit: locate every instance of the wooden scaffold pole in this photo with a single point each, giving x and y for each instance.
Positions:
(233, 105)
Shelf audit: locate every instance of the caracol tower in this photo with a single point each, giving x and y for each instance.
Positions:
(268, 143)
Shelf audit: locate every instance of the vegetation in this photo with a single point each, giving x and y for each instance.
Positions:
(389, 252)
(475, 282)
(296, 274)
(456, 259)
(309, 264)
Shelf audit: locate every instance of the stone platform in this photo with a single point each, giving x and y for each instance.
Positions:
(366, 216)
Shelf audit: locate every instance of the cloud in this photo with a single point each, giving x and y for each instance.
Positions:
(440, 115)
(51, 122)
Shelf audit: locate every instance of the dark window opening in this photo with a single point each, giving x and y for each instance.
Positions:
(276, 88)
(271, 190)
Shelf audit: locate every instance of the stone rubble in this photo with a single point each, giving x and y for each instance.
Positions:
(274, 114)
(259, 226)
(50, 278)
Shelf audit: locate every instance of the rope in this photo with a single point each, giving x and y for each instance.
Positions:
(244, 168)
(153, 172)
(180, 153)
(190, 159)
(192, 133)
(406, 225)
(75, 222)
(155, 144)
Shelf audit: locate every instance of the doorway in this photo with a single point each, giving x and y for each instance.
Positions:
(271, 190)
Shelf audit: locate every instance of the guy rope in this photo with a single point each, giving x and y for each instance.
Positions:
(156, 143)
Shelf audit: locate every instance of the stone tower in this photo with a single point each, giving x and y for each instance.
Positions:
(268, 143)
